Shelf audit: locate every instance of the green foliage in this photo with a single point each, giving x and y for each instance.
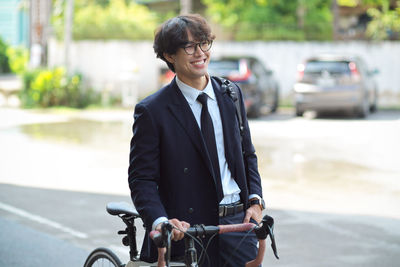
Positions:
(4, 61)
(385, 23)
(115, 19)
(318, 20)
(18, 59)
(273, 19)
(52, 87)
(349, 3)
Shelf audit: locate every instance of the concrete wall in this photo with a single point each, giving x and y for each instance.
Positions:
(112, 64)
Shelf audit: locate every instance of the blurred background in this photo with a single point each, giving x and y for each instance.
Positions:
(322, 92)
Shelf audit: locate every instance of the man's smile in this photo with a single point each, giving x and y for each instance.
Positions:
(199, 62)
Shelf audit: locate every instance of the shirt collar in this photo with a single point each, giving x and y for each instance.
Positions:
(191, 93)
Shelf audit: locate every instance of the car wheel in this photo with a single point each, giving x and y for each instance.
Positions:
(374, 106)
(299, 112)
(276, 102)
(254, 113)
(363, 110)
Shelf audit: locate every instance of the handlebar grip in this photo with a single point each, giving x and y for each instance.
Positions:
(241, 227)
(202, 230)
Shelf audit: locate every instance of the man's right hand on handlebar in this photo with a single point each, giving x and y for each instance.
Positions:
(176, 234)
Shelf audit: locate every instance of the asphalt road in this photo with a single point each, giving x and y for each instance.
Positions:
(331, 183)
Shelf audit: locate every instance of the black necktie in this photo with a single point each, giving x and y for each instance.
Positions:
(207, 130)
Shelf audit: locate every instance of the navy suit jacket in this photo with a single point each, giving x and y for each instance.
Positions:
(170, 173)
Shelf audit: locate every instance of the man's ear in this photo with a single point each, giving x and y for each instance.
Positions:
(169, 58)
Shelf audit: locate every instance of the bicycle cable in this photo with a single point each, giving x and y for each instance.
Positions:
(204, 252)
(204, 249)
(196, 240)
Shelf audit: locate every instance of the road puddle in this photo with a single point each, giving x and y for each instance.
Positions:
(110, 134)
(281, 162)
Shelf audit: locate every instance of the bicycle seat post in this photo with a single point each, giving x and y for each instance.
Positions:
(131, 234)
(190, 253)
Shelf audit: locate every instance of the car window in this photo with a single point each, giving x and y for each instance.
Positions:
(258, 69)
(333, 67)
(223, 65)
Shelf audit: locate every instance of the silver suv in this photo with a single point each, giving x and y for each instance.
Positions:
(335, 83)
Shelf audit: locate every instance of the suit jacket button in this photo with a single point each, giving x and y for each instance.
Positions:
(185, 170)
(190, 210)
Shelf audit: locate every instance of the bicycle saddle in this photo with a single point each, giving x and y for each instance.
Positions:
(122, 208)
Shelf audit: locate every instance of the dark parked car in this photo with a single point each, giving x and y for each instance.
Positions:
(259, 86)
(335, 83)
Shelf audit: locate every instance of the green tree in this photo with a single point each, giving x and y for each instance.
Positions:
(385, 23)
(385, 17)
(102, 19)
(273, 19)
(4, 62)
(18, 59)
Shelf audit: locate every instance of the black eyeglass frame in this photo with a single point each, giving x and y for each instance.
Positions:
(195, 45)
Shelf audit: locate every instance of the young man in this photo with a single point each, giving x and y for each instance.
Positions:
(186, 160)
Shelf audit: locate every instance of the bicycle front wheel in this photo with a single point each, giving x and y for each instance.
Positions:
(102, 257)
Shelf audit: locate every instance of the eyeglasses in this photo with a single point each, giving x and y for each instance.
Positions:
(190, 49)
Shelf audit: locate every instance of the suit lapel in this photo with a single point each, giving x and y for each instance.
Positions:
(182, 112)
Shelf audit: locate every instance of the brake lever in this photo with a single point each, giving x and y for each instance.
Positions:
(160, 238)
(273, 244)
(166, 231)
(268, 221)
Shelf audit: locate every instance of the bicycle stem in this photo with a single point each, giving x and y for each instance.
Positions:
(190, 253)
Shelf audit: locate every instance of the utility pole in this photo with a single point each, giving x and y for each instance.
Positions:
(186, 6)
(69, 16)
(335, 12)
(39, 30)
(300, 12)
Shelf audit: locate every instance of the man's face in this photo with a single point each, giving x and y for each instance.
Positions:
(190, 67)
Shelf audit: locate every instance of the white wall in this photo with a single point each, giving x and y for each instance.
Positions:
(106, 63)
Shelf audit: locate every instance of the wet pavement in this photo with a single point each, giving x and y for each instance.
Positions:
(332, 183)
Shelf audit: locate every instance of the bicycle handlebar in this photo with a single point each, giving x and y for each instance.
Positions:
(262, 232)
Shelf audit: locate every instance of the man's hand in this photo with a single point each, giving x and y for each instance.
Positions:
(176, 234)
(254, 212)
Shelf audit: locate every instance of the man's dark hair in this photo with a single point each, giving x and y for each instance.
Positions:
(172, 34)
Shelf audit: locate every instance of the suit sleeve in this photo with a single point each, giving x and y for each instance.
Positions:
(144, 167)
(249, 157)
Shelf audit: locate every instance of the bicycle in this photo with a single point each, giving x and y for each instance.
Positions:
(105, 257)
